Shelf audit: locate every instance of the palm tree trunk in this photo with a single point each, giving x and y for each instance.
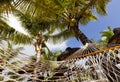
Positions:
(38, 52)
(38, 46)
(80, 35)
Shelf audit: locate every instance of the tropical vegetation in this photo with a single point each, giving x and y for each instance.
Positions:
(41, 19)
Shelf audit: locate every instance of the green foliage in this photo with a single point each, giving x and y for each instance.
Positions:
(38, 30)
(10, 33)
(61, 9)
(88, 16)
(55, 55)
(48, 15)
(101, 6)
(107, 34)
(45, 17)
(6, 6)
(47, 55)
(101, 44)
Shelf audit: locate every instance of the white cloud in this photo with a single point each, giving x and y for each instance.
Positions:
(55, 47)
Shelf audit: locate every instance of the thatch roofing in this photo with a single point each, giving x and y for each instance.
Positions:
(68, 52)
(115, 39)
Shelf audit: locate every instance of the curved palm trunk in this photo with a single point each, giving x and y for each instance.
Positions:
(80, 35)
(38, 47)
(38, 51)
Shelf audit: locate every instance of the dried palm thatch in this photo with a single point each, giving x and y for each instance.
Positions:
(115, 39)
(69, 51)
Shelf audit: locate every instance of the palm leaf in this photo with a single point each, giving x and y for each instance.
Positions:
(107, 33)
(6, 6)
(5, 29)
(57, 38)
(33, 26)
(87, 16)
(8, 32)
(58, 3)
(19, 38)
(36, 8)
(101, 6)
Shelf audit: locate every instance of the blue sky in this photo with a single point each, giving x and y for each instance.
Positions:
(92, 29)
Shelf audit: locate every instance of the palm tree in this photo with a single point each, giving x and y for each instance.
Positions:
(105, 37)
(38, 32)
(35, 29)
(67, 12)
(62, 13)
(107, 34)
(70, 12)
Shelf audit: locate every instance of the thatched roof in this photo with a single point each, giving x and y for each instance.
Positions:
(115, 39)
(68, 52)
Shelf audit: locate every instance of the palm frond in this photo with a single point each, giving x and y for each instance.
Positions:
(19, 38)
(36, 8)
(58, 2)
(87, 16)
(101, 6)
(33, 26)
(5, 29)
(8, 32)
(6, 6)
(107, 34)
(60, 37)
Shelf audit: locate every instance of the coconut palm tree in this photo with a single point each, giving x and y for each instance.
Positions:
(69, 13)
(65, 11)
(38, 32)
(62, 13)
(72, 13)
